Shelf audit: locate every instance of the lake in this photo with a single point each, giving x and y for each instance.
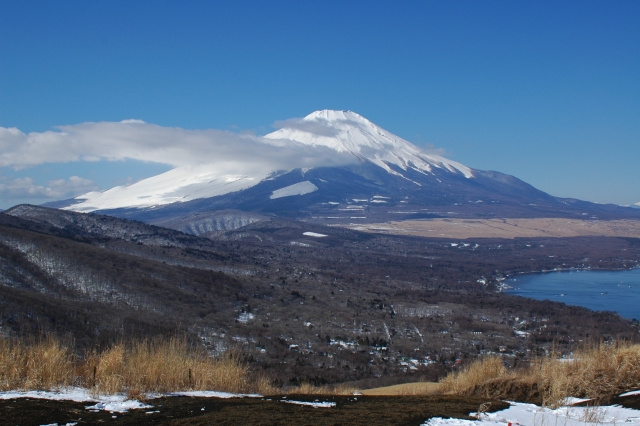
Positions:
(617, 291)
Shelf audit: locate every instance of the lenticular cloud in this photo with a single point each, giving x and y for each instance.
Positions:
(135, 139)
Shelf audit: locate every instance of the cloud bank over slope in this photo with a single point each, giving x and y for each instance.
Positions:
(227, 153)
(135, 139)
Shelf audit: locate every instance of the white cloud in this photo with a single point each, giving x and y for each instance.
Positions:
(24, 188)
(318, 126)
(135, 139)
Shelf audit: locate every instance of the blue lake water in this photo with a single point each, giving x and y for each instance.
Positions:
(617, 291)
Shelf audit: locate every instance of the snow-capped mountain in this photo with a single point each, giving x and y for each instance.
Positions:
(349, 134)
(379, 176)
(346, 131)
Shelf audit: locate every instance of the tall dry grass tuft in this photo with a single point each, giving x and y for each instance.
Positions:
(157, 365)
(161, 366)
(598, 372)
(479, 372)
(43, 363)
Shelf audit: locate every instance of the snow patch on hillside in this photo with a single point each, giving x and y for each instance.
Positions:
(177, 185)
(314, 234)
(300, 188)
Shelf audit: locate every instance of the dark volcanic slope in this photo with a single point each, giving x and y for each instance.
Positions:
(367, 194)
(346, 306)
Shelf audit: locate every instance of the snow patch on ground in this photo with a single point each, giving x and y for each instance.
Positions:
(313, 404)
(530, 414)
(117, 403)
(573, 400)
(212, 394)
(69, 394)
(118, 407)
(297, 243)
(314, 234)
(300, 188)
(245, 317)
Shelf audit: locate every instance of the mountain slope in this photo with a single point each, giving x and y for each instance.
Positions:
(382, 177)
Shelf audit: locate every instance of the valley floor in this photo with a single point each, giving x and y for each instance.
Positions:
(505, 228)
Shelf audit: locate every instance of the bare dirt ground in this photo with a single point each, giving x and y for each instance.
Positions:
(505, 228)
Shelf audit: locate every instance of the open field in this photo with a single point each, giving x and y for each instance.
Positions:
(505, 228)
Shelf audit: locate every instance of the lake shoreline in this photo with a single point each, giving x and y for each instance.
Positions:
(608, 290)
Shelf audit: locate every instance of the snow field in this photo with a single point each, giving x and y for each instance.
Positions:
(300, 188)
(533, 415)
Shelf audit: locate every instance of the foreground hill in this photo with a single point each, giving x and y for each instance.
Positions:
(303, 301)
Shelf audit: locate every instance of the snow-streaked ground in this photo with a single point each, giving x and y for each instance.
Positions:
(316, 404)
(517, 414)
(211, 394)
(119, 407)
(117, 403)
(533, 415)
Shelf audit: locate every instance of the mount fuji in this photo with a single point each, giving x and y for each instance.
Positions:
(376, 176)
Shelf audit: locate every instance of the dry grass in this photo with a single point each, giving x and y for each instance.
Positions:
(307, 389)
(163, 365)
(35, 364)
(504, 228)
(479, 372)
(137, 368)
(599, 373)
(406, 389)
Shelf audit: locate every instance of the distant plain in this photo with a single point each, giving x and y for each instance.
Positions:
(505, 228)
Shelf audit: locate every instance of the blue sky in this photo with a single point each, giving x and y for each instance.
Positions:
(546, 91)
